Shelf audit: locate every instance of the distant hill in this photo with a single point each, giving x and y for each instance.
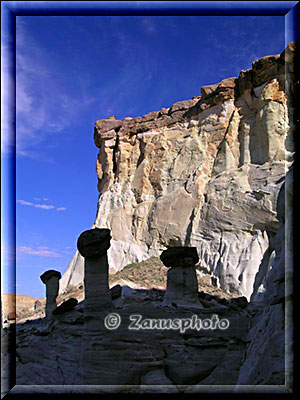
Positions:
(17, 302)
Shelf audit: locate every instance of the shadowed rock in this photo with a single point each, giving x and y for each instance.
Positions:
(93, 245)
(51, 279)
(116, 291)
(240, 302)
(179, 257)
(49, 274)
(67, 305)
(192, 373)
(182, 284)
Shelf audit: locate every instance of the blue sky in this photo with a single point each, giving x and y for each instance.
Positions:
(73, 70)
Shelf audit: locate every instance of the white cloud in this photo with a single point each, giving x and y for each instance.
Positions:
(25, 203)
(44, 105)
(42, 206)
(42, 251)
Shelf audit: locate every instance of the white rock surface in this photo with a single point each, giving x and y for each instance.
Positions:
(205, 172)
(269, 354)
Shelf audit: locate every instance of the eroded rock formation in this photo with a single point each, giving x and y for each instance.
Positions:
(182, 284)
(93, 245)
(51, 279)
(77, 349)
(205, 172)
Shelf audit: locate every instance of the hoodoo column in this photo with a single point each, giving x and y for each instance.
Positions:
(182, 284)
(93, 245)
(51, 279)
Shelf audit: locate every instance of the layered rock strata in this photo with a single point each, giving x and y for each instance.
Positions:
(204, 172)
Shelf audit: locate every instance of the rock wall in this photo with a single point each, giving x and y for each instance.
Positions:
(205, 172)
(270, 335)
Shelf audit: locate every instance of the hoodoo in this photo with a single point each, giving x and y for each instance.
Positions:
(93, 245)
(182, 284)
(51, 279)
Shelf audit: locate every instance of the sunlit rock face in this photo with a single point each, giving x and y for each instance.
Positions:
(205, 172)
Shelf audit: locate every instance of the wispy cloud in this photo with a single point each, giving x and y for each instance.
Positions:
(136, 68)
(41, 251)
(7, 90)
(42, 206)
(45, 106)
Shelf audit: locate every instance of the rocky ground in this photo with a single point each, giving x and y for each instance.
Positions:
(47, 351)
(139, 286)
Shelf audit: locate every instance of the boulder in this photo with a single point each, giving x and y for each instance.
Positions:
(116, 291)
(66, 306)
(240, 302)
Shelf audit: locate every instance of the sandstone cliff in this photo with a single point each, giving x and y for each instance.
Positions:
(204, 172)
